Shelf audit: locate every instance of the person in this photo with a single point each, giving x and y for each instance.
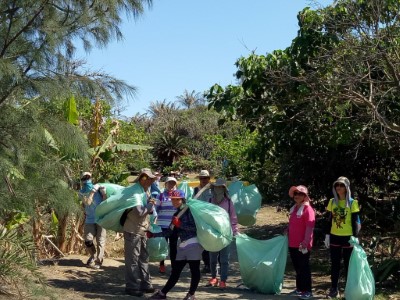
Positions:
(189, 250)
(220, 197)
(91, 196)
(300, 235)
(135, 222)
(165, 211)
(343, 221)
(203, 193)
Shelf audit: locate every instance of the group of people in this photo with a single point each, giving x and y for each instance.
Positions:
(342, 222)
(177, 224)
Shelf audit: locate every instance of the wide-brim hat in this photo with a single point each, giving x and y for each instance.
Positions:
(204, 173)
(219, 182)
(147, 172)
(301, 189)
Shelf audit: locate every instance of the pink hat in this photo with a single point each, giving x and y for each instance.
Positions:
(301, 189)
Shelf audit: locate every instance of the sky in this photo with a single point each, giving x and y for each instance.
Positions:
(179, 45)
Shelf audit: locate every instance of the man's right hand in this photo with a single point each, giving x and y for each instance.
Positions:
(327, 241)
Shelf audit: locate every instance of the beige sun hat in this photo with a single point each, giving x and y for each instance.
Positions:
(204, 173)
(147, 172)
(86, 174)
(171, 179)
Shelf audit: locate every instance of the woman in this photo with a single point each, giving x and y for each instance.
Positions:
(300, 233)
(189, 250)
(165, 210)
(343, 221)
(220, 198)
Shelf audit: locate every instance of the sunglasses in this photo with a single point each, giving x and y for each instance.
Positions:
(298, 194)
(340, 185)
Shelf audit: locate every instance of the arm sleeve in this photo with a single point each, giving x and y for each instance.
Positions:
(310, 224)
(140, 210)
(233, 218)
(355, 223)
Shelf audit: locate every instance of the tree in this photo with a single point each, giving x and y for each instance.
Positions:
(330, 97)
(190, 100)
(38, 42)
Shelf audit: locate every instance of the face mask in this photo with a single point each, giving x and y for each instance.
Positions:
(219, 194)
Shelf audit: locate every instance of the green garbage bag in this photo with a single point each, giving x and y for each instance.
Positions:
(262, 262)
(247, 202)
(157, 247)
(111, 188)
(108, 213)
(214, 230)
(360, 284)
(184, 186)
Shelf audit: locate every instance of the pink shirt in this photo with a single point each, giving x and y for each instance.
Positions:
(301, 227)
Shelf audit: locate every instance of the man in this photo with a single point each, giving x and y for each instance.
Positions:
(203, 193)
(137, 277)
(91, 196)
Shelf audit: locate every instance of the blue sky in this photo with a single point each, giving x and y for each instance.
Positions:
(187, 44)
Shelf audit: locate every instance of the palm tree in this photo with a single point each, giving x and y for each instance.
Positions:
(158, 109)
(190, 100)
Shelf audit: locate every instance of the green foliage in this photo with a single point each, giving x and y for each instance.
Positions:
(16, 254)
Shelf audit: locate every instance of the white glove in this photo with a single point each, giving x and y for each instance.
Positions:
(327, 241)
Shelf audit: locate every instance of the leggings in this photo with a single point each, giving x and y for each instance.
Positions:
(340, 248)
(194, 266)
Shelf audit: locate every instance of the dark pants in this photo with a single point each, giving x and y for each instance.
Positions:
(301, 264)
(194, 266)
(340, 248)
(172, 243)
(206, 258)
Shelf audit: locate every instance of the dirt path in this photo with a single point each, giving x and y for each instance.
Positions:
(69, 279)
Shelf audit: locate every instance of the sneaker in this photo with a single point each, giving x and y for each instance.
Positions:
(135, 293)
(222, 285)
(189, 297)
(161, 269)
(158, 295)
(95, 266)
(212, 282)
(306, 295)
(296, 292)
(333, 293)
(206, 269)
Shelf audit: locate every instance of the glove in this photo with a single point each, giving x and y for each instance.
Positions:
(149, 234)
(327, 241)
(302, 249)
(177, 223)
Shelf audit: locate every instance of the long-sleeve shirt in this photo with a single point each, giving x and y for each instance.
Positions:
(227, 204)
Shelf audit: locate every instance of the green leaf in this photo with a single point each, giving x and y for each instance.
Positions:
(70, 111)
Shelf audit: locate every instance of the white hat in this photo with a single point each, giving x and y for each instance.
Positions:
(220, 182)
(204, 173)
(171, 179)
(86, 174)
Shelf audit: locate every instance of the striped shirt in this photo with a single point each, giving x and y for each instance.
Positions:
(165, 210)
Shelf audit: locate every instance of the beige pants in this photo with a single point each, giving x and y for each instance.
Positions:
(92, 231)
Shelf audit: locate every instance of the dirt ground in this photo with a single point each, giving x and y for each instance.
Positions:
(69, 279)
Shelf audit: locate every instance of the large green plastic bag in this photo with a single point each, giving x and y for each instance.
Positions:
(262, 262)
(214, 230)
(111, 188)
(247, 202)
(109, 212)
(184, 186)
(360, 283)
(157, 247)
